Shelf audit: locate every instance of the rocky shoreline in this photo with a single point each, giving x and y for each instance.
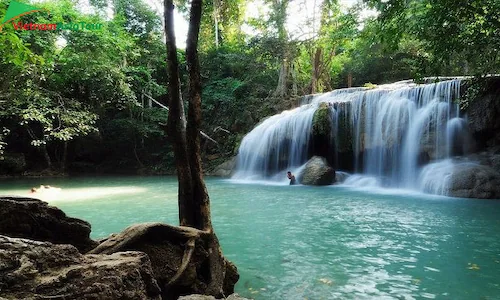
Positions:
(45, 254)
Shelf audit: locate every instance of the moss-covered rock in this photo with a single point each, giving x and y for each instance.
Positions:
(322, 120)
(322, 140)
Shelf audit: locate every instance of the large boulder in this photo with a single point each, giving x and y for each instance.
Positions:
(34, 219)
(457, 178)
(165, 246)
(317, 172)
(39, 270)
(474, 181)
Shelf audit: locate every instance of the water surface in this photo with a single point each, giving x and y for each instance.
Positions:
(297, 242)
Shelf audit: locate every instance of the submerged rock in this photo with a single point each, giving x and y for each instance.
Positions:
(317, 172)
(34, 219)
(40, 270)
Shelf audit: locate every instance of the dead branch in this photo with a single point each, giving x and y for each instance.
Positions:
(222, 129)
(208, 137)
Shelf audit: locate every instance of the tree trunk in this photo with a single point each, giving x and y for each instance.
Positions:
(45, 152)
(194, 202)
(279, 8)
(64, 156)
(200, 209)
(176, 124)
(216, 22)
(316, 73)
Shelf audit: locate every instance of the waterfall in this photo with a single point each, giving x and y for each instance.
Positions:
(278, 143)
(389, 132)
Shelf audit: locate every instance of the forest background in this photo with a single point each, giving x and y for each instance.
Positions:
(93, 101)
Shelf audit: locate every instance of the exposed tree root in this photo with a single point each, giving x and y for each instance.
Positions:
(188, 253)
(135, 232)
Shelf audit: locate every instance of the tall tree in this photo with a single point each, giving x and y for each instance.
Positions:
(278, 17)
(193, 199)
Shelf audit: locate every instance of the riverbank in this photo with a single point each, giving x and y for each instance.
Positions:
(60, 260)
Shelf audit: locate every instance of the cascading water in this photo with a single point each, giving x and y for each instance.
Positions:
(279, 143)
(388, 133)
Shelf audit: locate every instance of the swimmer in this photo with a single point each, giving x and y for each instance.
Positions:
(291, 177)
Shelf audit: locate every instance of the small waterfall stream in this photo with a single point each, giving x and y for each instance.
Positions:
(388, 134)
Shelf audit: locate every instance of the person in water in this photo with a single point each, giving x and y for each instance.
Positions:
(291, 177)
(44, 188)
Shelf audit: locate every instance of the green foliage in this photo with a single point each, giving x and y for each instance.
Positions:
(464, 35)
(90, 90)
(52, 94)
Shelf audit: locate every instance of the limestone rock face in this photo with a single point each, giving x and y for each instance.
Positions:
(474, 181)
(40, 270)
(35, 219)
(484, 114)
(317, 172)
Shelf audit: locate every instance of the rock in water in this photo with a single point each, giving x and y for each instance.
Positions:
(474, 181)
(464, 179)
(39, 270)
(317, 172)
(35, 219)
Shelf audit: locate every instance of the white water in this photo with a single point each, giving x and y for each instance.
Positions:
(392, 131)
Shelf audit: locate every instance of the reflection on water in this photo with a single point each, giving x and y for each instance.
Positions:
(79, 194)
(316, 242)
